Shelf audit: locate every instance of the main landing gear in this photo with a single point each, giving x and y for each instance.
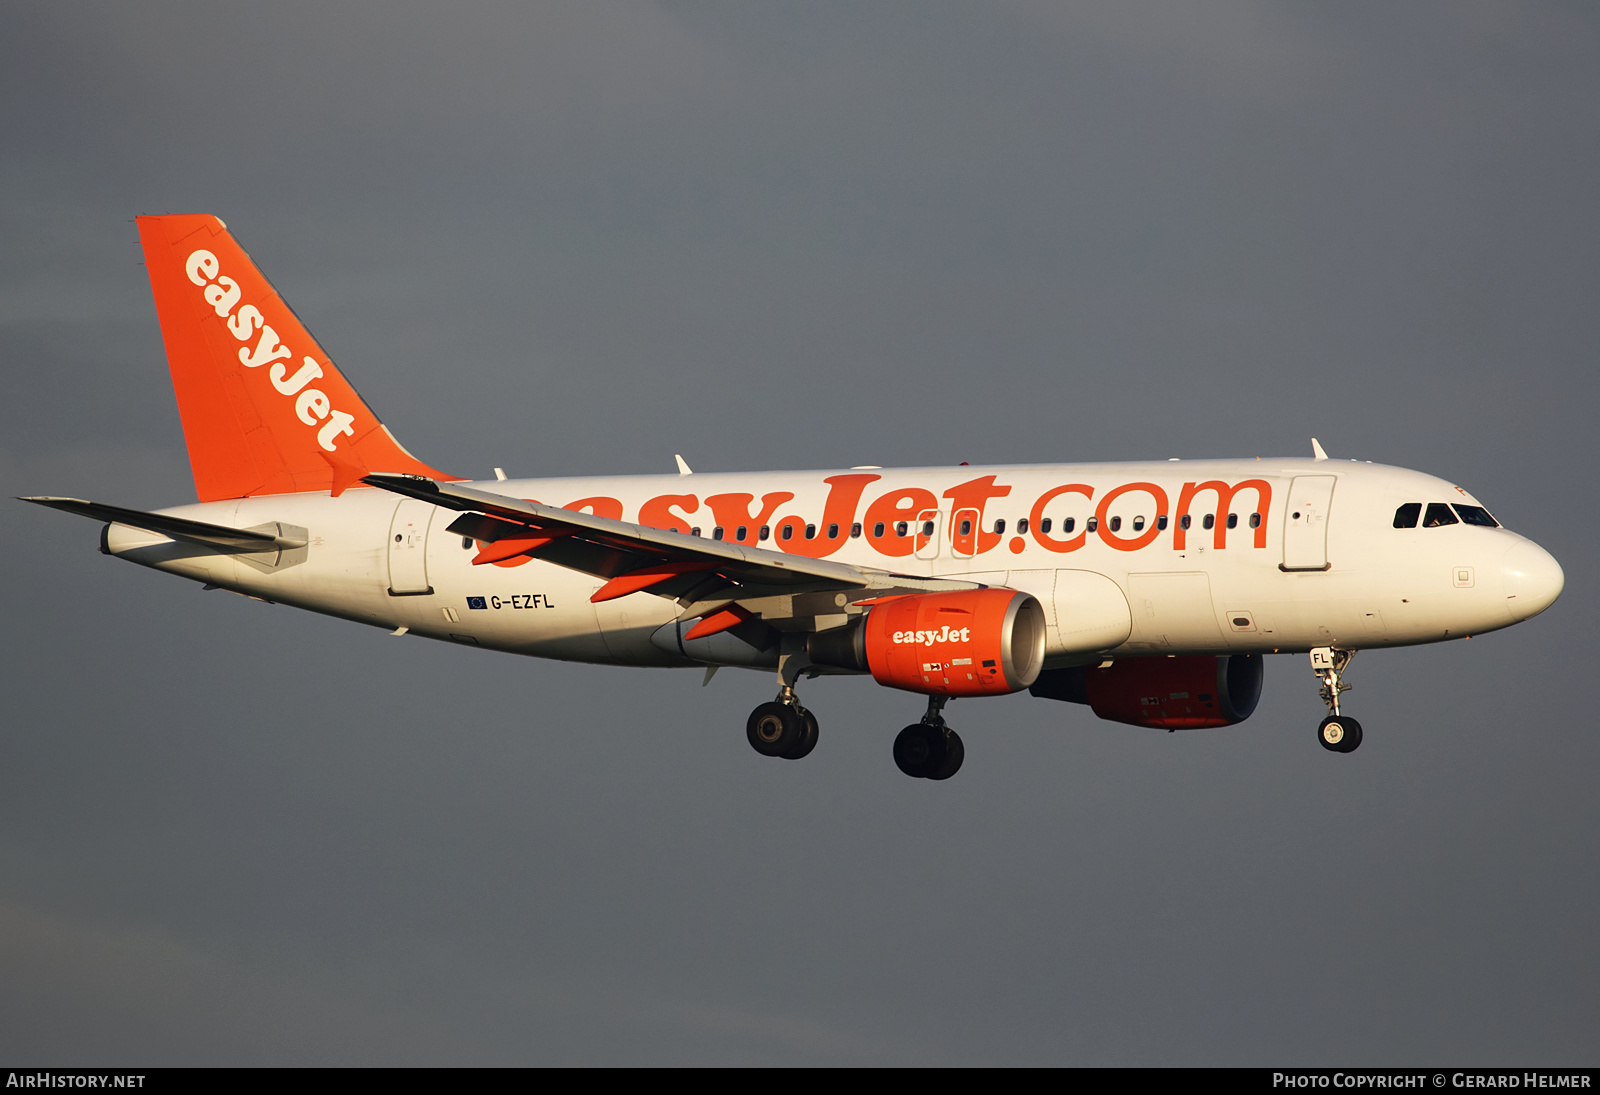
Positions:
(1337, 733)
(925, 750)
(782, 728)
(929, 749)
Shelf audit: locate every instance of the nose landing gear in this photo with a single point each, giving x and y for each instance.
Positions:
(929, 749)
(1337, 733)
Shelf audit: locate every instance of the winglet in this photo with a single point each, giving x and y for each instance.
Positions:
(683, 465)
(1316, 450)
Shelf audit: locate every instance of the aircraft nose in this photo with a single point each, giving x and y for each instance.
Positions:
(1533, 579)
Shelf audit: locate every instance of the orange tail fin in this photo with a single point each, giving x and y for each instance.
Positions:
(264, 409)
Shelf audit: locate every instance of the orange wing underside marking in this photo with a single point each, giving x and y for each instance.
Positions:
(501, 550)
(646, 577)
(264, 409)
(717, 622)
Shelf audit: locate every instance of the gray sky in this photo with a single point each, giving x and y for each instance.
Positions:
(573, 239)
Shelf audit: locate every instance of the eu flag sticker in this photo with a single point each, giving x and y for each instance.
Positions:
(477, 602)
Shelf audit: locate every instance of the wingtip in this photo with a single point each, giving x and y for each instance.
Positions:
(1316, 450)
(52, 500)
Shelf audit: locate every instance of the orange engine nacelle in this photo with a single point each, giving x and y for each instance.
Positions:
(1189, 692)
(976, 642)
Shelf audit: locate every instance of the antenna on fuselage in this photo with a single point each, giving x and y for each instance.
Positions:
(1316, 450)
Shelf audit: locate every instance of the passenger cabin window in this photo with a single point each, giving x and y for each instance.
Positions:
(1210, 520)
(855, 531)
(466, 543)
(811, 532)
(1044, 525)
(877, 531)
(1233, 520)
(1093, 523)
(1255, 520)
(1476, 515)
(966, 526)
(766, 530)
(1138, 523)
(1069, 524)
(899, 528)
(1183, 522)
(740, 533)
(927, 528)
(999, 525)
(1022, 527)
(1161, 522)
(1116, 524)
(1438, 514)
(695, 531)
(833, 532)
(1407, 515)
(716, 533)
(788, 532)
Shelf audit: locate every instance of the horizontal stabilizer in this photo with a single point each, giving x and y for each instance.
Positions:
(176, 528)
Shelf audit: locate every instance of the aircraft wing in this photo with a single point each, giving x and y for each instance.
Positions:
(704, 576)
(177, 528)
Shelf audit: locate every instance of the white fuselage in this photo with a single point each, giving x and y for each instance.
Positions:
(1312, 557)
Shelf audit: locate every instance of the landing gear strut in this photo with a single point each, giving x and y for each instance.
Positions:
(929, 749)
(1337, 733)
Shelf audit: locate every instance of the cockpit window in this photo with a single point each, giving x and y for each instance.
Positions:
(1476, 515)
(1438, 514)
(1406, 516)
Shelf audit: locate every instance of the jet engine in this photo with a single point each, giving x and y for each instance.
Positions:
(976, 642)
(1187, 692)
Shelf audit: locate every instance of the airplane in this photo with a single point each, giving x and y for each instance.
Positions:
(1151, 592)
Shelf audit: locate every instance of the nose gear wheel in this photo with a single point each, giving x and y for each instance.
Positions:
(1337, 733)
